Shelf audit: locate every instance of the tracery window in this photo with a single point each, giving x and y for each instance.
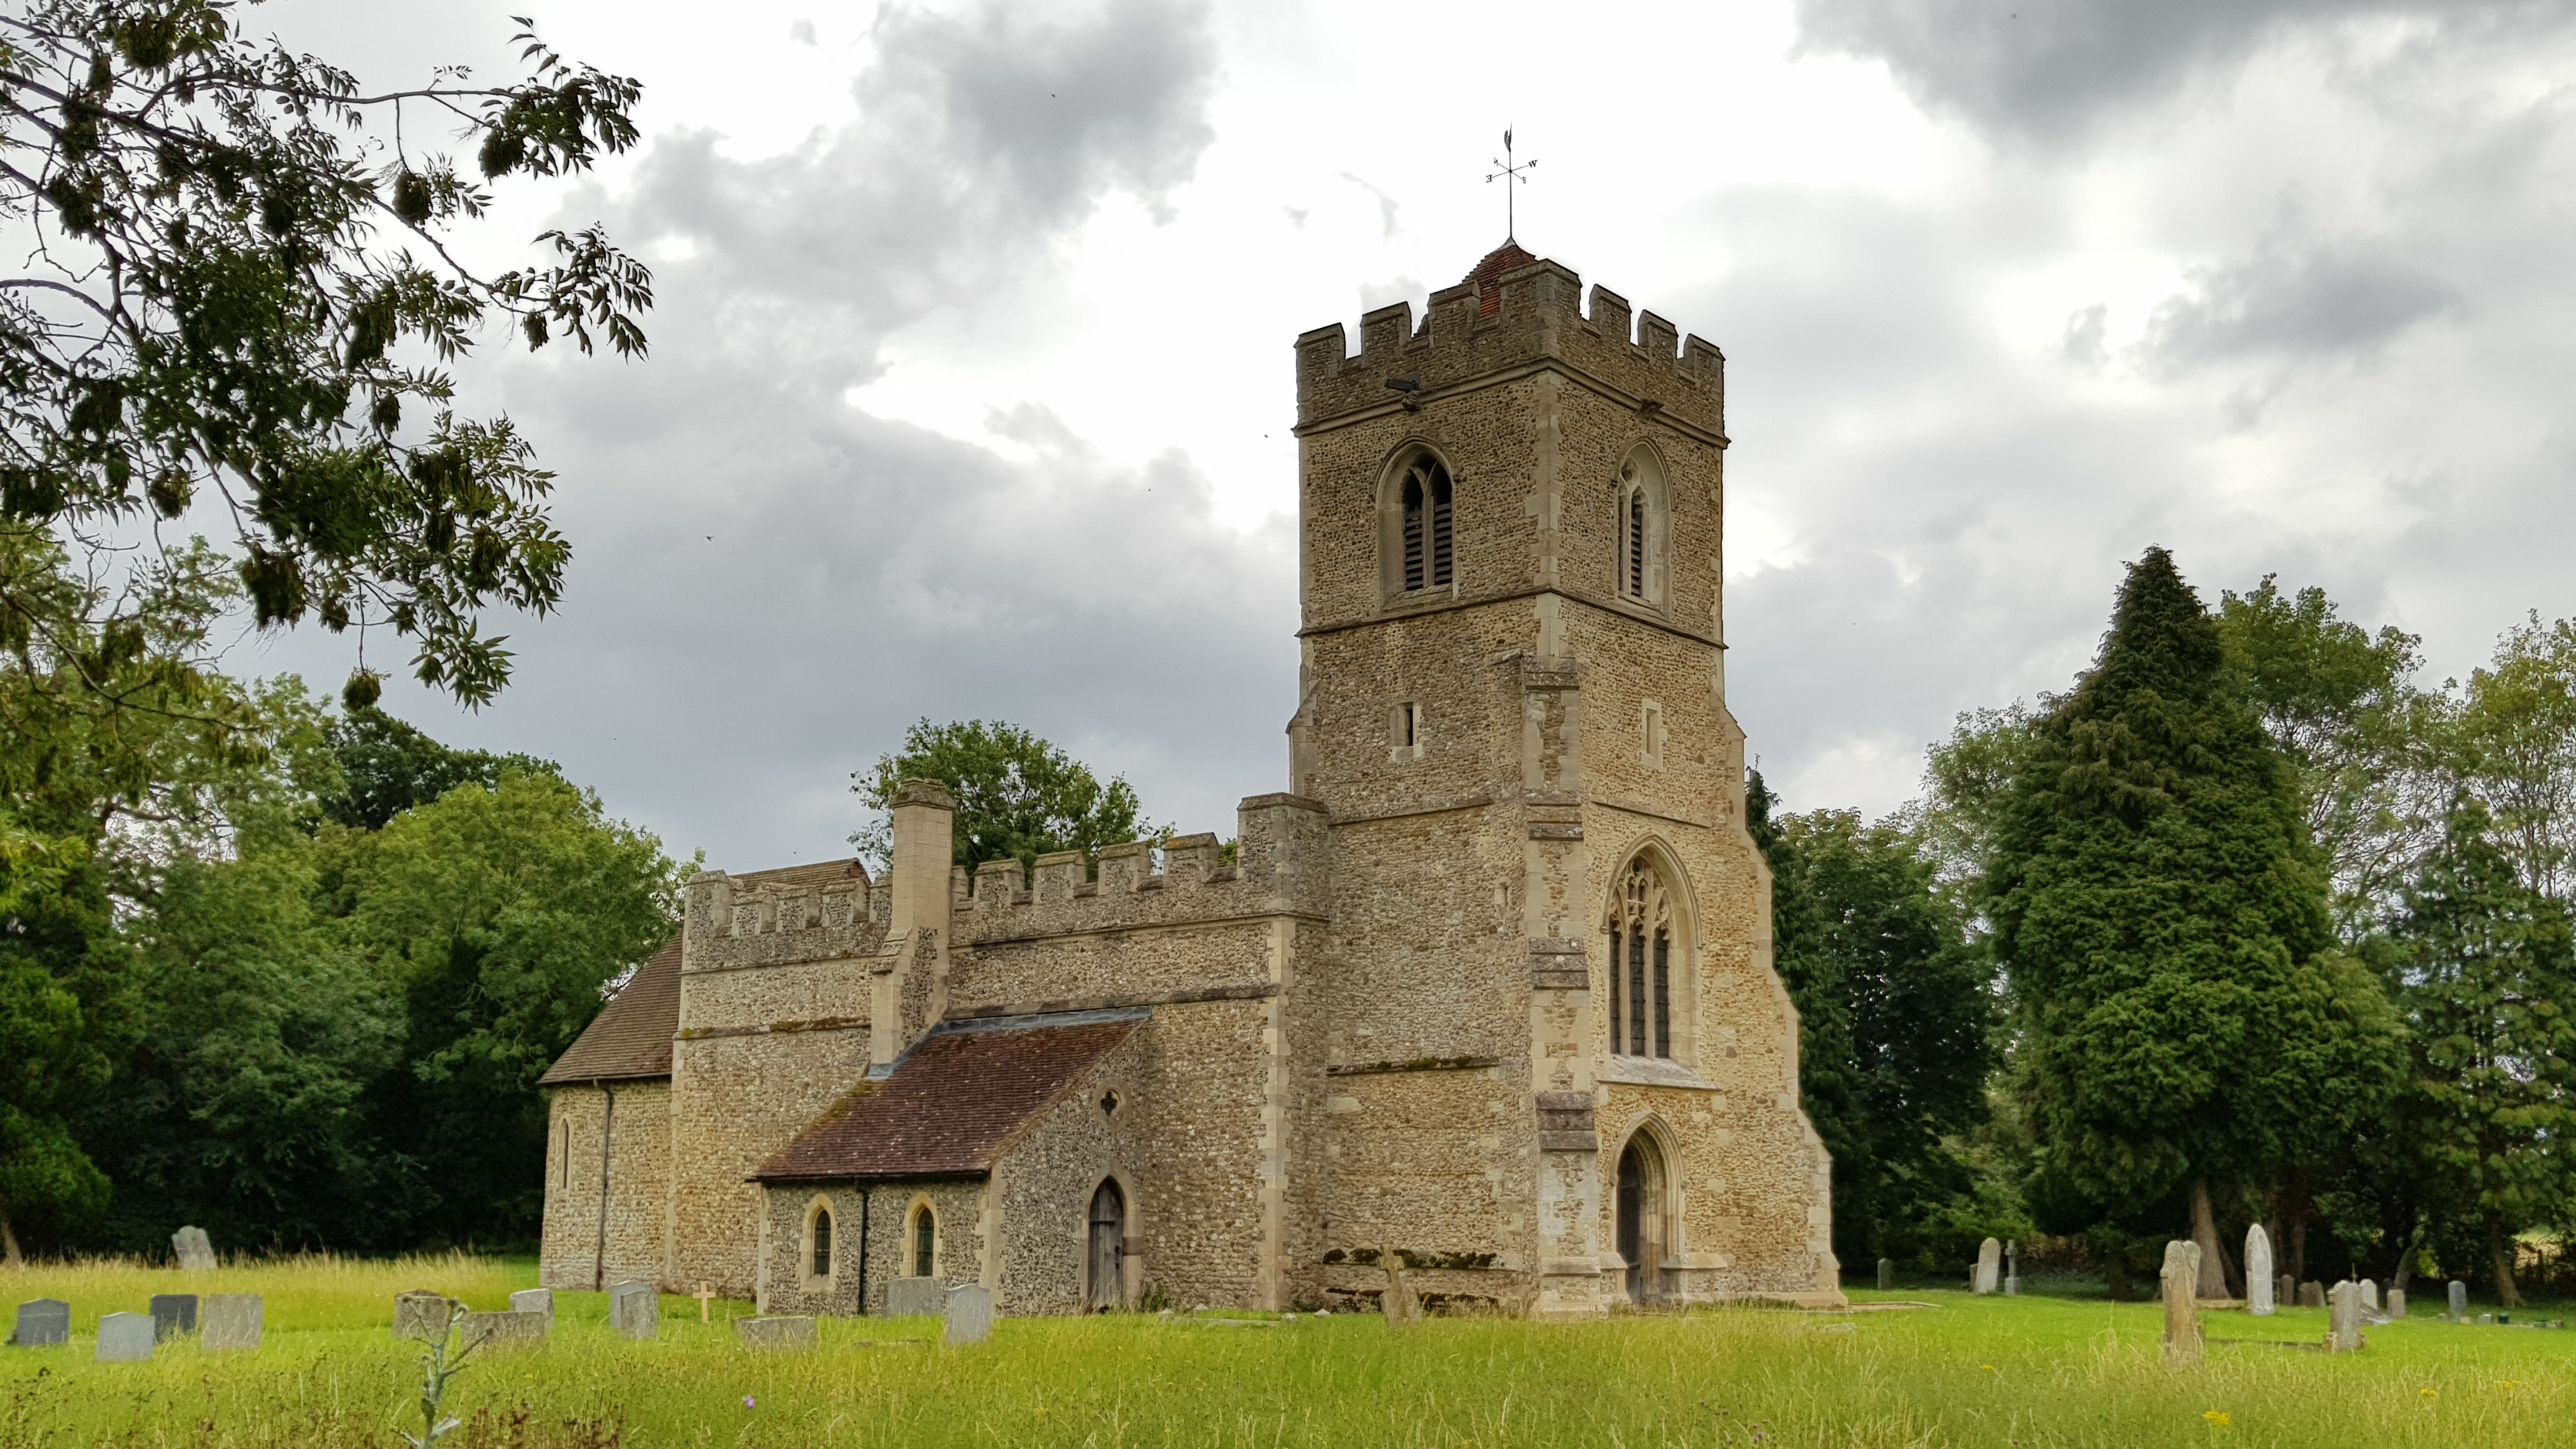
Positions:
(1428, 543)
(1641, 973)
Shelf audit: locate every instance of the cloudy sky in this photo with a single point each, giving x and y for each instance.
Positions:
(971, 379)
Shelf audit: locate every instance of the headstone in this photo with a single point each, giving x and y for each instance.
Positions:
(2312, 1294)
(1990, 1262)
(2258, 1272)
(970, 1314)
(125, 1338)
(196, 1254)
(535, 1300)
(2181, 1284)
(2344, 1333)
(490, 1331)
(174, 1315)
(1398, 1301)
(43, 1323)
(2396, 1303)
(635, 1309)
(2285, 1289)
(1886, 1274)
(2012, 1268)
(420, 1314)
(794, 1334)
(916, 1298)
(233, 1321)
(2370, 1295)
(2459, 1300)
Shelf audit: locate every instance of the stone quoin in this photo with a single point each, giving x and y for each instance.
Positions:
(1487, 991)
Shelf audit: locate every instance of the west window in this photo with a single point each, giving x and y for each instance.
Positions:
(1642, 928)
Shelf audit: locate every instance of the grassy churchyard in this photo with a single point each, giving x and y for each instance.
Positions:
(2027, 1371)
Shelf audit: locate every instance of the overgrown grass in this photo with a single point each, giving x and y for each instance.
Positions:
(2019, 1372)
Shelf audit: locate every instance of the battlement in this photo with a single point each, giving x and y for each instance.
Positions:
(1501, 319)
(777, 917)
(1278, 869)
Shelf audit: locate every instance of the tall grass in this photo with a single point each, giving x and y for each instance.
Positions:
(2008, 1373)
(309, 1291)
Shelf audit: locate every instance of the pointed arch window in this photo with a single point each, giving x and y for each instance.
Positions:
(1641, 963)
(925, 1242)
(1640, 566)
(1429, 542)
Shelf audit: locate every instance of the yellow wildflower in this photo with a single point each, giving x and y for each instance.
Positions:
(2218, 1418)
(2430, 1393)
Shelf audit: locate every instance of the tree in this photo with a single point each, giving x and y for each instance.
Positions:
(1018, 797)
(2185, 1026)
(242, 287)
(500, 914)
(387, 767)
(2484, 974)
(2512, 742)
(1895, 1008)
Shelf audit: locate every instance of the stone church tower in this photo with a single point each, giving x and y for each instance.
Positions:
(1488, 988)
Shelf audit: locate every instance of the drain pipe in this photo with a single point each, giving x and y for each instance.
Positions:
(864, 1215)
(599, 1255)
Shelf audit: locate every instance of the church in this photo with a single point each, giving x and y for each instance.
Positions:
(1486, 991)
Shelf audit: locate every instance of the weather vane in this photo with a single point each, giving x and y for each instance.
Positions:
(1507, 172)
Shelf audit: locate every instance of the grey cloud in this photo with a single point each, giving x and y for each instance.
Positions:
(2045, 69)
(2296, 298)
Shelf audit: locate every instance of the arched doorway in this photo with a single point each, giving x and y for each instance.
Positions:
(1108, 1249)
(1641, 1218)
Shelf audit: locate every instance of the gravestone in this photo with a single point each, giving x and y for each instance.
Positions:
(2344, 1334)
(1990, 1261)
(501, 1330)
(1886, 1274)
(233, 1321)
(2285, 1289)
(2459, 1300)
(420, 1314)
(125, 1338)
(196, 1254)
(1400, 1305)
(535, 1300)
(2369, 1295)
(2312, 1294)
(2258, 1272)
(794, 1334)
(635, 1309)
(970, 1314)
(2012, 1269)
(916, 1298)
(43, 1323)
(174, 1315)
(2396, 1303)
(2180, 1281)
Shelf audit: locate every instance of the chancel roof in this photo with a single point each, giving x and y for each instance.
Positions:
(631, 1036)
(955, 1102)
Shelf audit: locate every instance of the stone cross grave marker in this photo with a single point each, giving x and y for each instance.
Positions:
(2181, 1284)
(420, 1314)
(2012, 1268)
(1886, 1274)
(635, 1309)
(791, 1333)
(970, 1314)
(706, 1296)
(125, 1338)
(196, 1254)
(1990, 1258)
(233, 1321)
(2312, 1294)
(2369, 1295)
(2459, 1300)
(2345, 1333)
(43, 1323)
(174, 1315)
(2396, 1303)
(535, 1300)
(501, 1330)
(916, 1298)
(2258, 1272)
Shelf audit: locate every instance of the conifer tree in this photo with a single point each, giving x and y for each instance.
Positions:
(2485, 969)
(2186, 1026)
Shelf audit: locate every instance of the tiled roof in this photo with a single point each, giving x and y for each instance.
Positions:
(1489, 292)
(631, 1036)
(820, 874)
(954, 1102)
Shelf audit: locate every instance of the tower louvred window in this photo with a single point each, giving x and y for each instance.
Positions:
(1429, 551)
(1641, 947)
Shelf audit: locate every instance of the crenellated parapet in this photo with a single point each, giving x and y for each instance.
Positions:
(1517, 319)
(1279, 869)
(762, 920)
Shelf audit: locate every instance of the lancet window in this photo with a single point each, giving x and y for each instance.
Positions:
(925, 1242)
(1641, 963)
(822, 1263)
(1429, 546)
(1641, 529)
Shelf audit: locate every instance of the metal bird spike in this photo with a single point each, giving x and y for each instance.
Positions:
(1505, 170)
